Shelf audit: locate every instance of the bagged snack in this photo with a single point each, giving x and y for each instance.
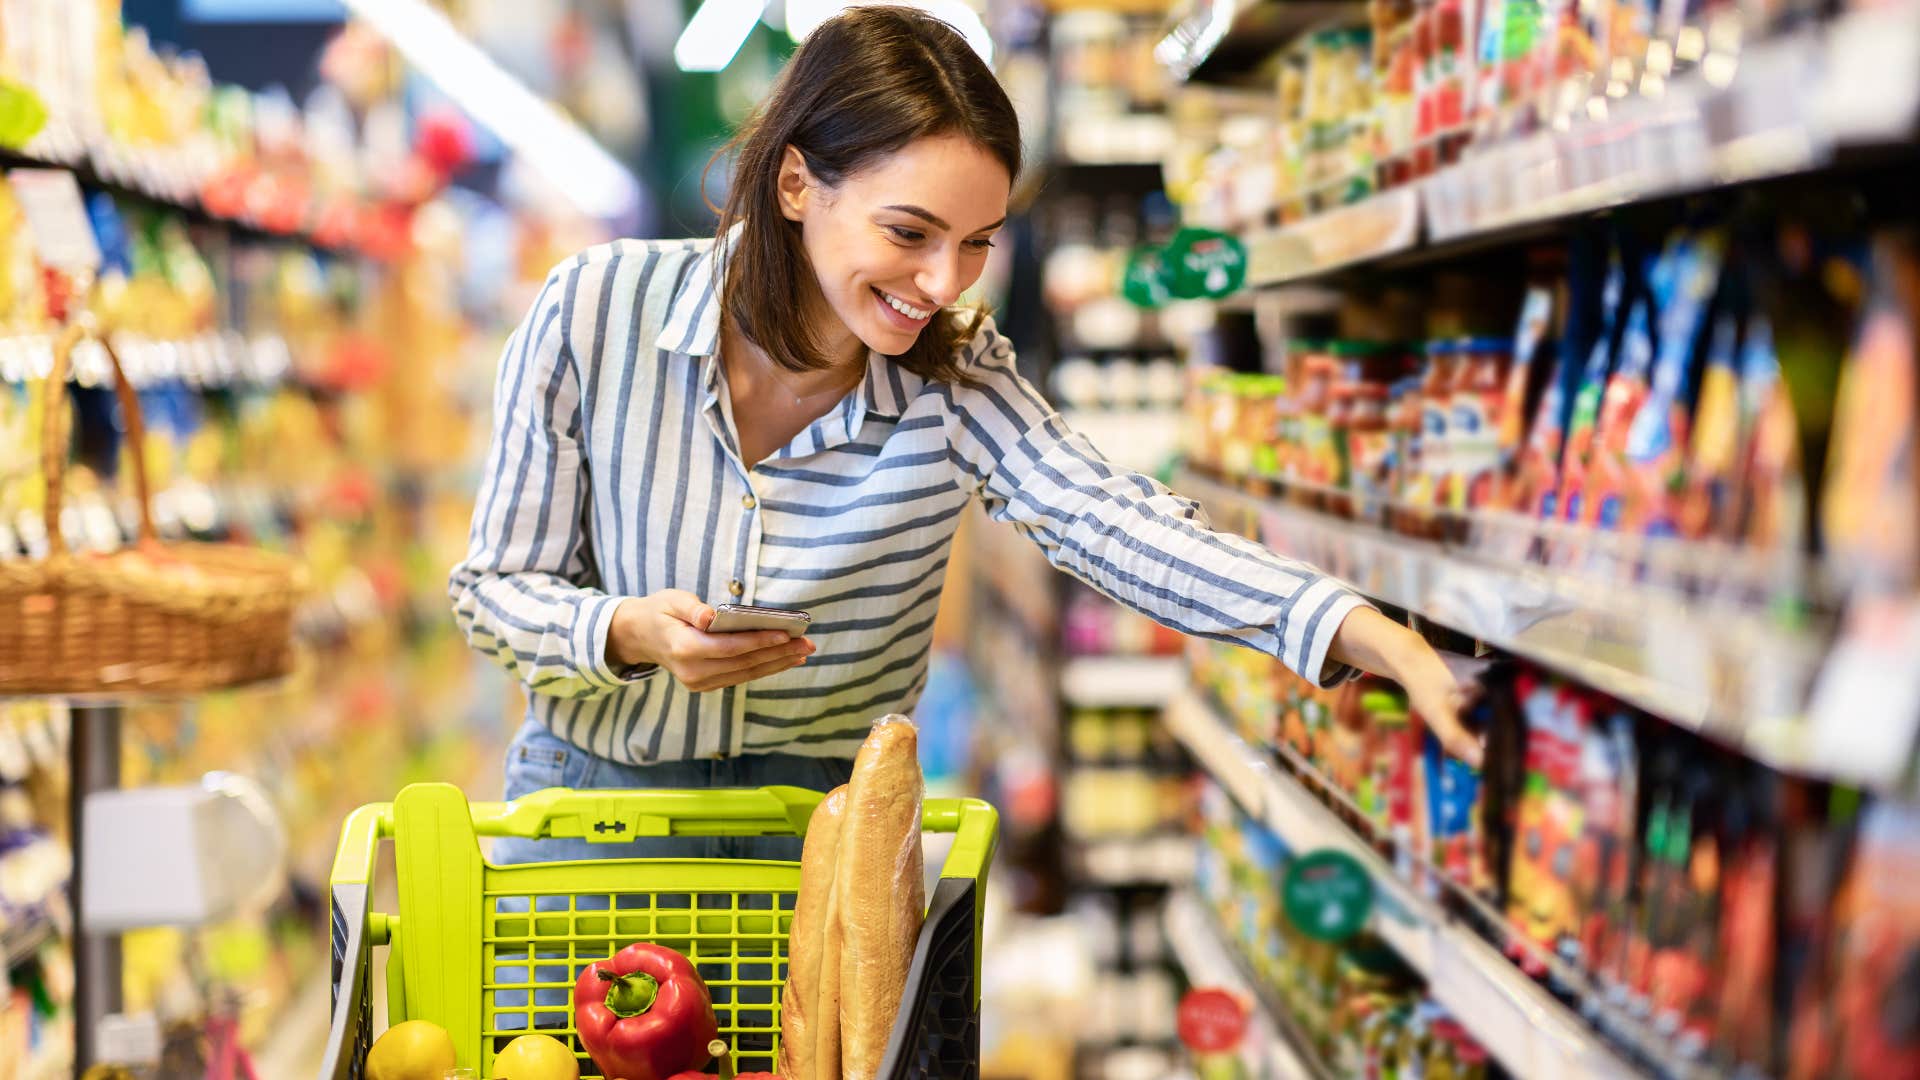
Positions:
(1876, 991)
(1870, 508)
(1713, 458)
(1653, 471)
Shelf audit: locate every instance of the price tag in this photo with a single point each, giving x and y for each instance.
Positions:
(1327, 895)
(1211, 1021)
(62, 233)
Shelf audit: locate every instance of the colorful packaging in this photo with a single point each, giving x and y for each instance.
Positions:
(1876, 992)
(1774, 493)
(1713, 458)
(1596, 440)
(1432, 484)
(1870, 507)
(1748, 935)
(1654, 467)
(1474, 415)
(1586, 344)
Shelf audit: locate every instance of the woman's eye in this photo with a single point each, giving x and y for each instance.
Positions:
(911, 236)
(979, 244)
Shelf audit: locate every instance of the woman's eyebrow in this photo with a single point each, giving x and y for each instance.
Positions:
(934, 220)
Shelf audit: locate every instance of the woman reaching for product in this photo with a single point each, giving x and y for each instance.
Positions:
(794, 415)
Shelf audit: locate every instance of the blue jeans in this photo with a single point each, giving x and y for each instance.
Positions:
(537, 758)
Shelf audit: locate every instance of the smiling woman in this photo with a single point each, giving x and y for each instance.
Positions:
(793, 414)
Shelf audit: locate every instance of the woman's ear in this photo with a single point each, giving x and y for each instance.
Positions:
(796, 184)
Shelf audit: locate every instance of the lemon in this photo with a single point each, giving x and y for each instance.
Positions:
(536, 1057)
(414, 1050)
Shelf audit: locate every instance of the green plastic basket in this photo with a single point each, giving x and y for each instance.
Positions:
(490, 952)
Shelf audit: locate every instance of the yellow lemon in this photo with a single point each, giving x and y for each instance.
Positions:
(536, 1057)
(414, 1050)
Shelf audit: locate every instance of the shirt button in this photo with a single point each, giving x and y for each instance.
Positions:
(748, 501)
(736, 588)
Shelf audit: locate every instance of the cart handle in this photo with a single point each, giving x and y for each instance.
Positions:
(614, 816)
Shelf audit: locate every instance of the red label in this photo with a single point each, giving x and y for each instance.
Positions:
(1211, 1021)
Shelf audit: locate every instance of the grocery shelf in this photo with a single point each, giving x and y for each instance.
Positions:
(1725, 668)
(1208, 959)
(1774, 107)
(1771, 108)
(1530, 1031)
(1121, 682)
(135, 179)
(1373, 228)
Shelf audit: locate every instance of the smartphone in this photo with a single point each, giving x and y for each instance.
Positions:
(733, 618)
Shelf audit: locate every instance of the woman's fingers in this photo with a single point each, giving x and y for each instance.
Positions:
(1442, 714)
(702, 668)
(756, 665)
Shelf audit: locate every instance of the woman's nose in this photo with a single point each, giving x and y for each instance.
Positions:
(939, 278)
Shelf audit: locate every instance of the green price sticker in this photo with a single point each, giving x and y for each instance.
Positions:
(1204, 263)
(1145, 282)
(1327, 895)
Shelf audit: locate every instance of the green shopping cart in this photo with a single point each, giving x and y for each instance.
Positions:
(489, 952)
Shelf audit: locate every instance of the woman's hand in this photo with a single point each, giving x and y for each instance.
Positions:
(1372, 642)
(669, 629)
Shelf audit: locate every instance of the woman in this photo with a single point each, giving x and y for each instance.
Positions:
(793, 415)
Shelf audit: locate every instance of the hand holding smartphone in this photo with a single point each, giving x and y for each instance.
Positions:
(734, 618)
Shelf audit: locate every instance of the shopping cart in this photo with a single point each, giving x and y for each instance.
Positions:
(473, 946)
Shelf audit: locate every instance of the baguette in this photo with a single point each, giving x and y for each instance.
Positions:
(879, 892)
(828, 1054)
(806, 943)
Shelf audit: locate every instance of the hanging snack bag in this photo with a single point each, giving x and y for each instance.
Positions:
(1876, 992)
(1713, 458)
(1748, 936)
(1654, 471)
(1870, 507)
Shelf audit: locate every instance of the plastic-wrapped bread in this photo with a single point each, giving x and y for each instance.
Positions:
(879, 891)
(800, 1012)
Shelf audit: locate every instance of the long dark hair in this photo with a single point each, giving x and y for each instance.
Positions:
(864, 84)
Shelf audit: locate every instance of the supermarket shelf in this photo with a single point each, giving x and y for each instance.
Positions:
(1119, 139)
(1724, 669)
(1209, 961)
(1778, 107)
(131, 179)
(1374, 228)
(1789, 105)
(1121, 682)
(1520, 1023)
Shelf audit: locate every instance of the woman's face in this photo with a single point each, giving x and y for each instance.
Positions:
(898, 241)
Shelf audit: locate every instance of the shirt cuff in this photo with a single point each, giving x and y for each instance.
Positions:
(590, 629)
(1316, 667)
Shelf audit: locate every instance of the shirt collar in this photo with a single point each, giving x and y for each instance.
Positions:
(693, 316)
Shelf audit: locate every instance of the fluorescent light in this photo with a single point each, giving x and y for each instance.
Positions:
(530, 126)
(804, 15)
(715, 34)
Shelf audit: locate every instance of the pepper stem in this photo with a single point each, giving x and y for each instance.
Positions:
(631, 994)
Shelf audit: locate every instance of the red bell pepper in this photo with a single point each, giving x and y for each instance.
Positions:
(644, 1014)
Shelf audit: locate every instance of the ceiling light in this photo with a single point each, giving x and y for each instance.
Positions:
(715, 34)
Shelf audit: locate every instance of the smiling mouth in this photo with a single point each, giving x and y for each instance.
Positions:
(915, 313)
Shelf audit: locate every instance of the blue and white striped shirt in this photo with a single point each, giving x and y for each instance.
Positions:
(614, 471)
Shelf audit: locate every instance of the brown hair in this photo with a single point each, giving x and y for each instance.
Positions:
(864, 84)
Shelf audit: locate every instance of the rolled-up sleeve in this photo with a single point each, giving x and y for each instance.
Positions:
(525, 593)
(1126, 534)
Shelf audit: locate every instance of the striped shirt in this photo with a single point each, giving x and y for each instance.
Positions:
(614, 471)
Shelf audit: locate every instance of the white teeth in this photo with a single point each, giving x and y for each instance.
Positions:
(903, 307)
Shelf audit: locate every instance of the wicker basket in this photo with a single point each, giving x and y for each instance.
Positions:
(152, 618)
